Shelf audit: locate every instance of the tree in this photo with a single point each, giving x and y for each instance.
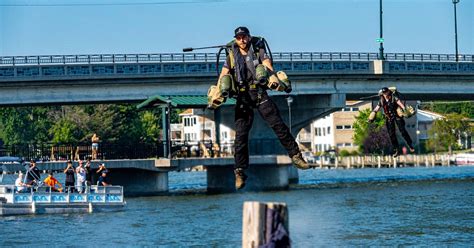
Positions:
(463, 108)
(370, 137)
(446, 132)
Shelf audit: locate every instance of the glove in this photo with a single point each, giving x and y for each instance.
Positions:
(371, 117)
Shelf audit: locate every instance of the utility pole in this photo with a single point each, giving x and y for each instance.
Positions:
(455, 2)
(381, 55)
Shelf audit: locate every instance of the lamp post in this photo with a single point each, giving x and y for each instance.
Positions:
(417, 127)
(456, 28)
(418, 140)
(289, 100)
(381, 56)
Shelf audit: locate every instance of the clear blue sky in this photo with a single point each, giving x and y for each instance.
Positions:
(34, 27)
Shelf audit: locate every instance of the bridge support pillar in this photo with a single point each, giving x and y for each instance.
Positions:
(137, 182)
(221, 179)
(293, 177)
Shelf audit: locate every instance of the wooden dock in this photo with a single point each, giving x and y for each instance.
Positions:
(374, 161)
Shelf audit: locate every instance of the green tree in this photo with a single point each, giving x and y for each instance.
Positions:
(64, 131)
(463, 108)
(150, 127)
(24, 125)
(447, 131)
(368, 135)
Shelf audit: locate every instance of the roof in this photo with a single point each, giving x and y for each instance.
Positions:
(179, 101)
(427, 116)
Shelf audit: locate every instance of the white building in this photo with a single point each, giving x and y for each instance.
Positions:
(198, 126)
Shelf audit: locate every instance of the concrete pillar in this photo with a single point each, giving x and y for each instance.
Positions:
(138, 182)
(293, 176)
(221, 179)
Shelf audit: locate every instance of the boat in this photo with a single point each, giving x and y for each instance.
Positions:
(464, 159)
(43, 200)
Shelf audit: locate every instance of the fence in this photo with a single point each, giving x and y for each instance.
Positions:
(211, 57)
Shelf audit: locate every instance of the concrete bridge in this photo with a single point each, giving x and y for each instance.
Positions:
(71, 79)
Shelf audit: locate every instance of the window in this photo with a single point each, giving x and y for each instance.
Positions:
(329, 130)
(355, 109)
(347, 109)
(339, 145)
(319, 131)
(324, 131)
(339, 127)
(194, 120)
(347, 126)
(347, 144)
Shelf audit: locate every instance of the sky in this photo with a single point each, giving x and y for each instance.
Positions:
(62, 27)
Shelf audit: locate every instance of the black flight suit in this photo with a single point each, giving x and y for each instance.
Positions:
(391, 117)
(253, 95)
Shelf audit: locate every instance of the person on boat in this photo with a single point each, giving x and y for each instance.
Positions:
(33, 176)
(21, 187)
(103, 180)
(52, 182)
(102, 168)
(89, 172)
(81, 178)
(70, 180)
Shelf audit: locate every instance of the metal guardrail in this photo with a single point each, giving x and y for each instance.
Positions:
(211, 57)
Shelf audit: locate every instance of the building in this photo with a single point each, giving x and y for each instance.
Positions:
(197, 126)
(336, 130)
(333, 131)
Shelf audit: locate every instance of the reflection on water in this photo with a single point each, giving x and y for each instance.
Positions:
(328, 208)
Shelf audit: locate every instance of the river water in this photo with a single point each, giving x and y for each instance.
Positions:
(379, 207)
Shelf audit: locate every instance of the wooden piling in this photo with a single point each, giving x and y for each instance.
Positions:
(255, 221)
(378, 162)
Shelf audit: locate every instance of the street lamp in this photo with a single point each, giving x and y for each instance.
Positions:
(289, 100)
(417, 126)
(456, 28)
(381, 57)
(418, 140)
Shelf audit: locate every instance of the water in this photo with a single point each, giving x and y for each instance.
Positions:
(328, 208)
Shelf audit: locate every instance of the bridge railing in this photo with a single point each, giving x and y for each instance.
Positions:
(61, 152)
(211, 57)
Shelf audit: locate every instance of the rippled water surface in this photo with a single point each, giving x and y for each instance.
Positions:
(403, 206)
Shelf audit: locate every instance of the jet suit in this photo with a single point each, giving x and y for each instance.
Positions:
(391, 118)
(252, 95)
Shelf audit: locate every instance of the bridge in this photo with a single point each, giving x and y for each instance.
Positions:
(70, 79)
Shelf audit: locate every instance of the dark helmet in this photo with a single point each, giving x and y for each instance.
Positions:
(385, 90)
(241, 31)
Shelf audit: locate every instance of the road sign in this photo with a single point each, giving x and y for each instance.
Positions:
(379, 40)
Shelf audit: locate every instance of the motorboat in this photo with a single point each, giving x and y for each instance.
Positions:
(464, 158)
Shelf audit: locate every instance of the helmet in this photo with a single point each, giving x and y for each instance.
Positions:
(386, 90)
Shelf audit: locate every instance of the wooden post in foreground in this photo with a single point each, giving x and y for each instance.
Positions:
(261, 220)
